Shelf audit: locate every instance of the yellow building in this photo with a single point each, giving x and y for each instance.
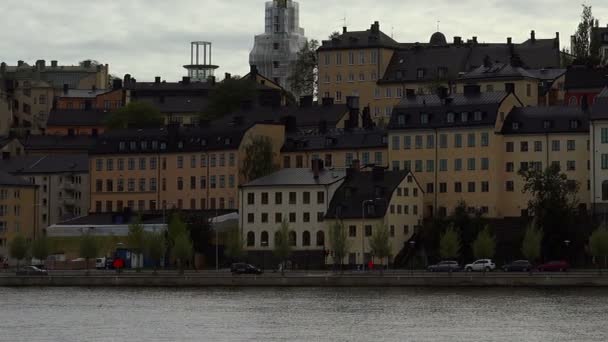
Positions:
(368, 200)
(17, 203)
(154, 169)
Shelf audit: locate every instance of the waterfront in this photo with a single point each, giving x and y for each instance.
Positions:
(302, 314)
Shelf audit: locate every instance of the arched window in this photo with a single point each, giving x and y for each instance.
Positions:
(250, 239)
(320, 238)
(292, 238)
(605, 190)
(573, 101)
(264, 239)
(306, 238)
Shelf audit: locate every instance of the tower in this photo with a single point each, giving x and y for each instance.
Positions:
(200, 68)
(276, 50)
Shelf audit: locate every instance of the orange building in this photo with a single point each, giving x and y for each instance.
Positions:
(103, 99)
(76, 122)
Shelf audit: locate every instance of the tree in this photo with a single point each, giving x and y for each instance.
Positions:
(154, 247)
(484, 245)
(177, 227)
(40, 248)
(229, 96)
(380, 243)
(282, 248)
(598, 245)
(259, 158)
(449, 244)
(182, 250)
(531, 244)
(303, 79)
(338, 242)
(136, 238)
(334, 34)
(553, 203)
(18, 248)
(89, 247)
(584, 48)
(234, 243)
(135, 115)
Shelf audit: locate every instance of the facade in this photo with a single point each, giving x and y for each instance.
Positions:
(276, 50)
(599, 155)
(154, 169)
(73, 122)
(62, 181)
(367, 200)
(599, 40)
(6, 115)
(584, 84)
(93, 99)
(299, 197)
(17, 199)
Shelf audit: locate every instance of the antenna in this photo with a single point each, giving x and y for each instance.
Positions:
(438, 25)
(392, 31)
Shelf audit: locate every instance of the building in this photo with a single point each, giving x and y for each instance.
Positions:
(40, 145)
(449, 143)
(368, 200)
(584, 84)
(186, 168)
(379, 70)
(10, 147)
(599, 155)
(299, 197)
(275, 51)
(599, 41)
(62, 181)
(32, 89)
(6, 114)
(17, 210)
(73, 122)
(92, 99)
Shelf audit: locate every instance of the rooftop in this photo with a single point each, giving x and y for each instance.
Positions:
(34, 143)
(542, 120)
(298, 177)
(497, 70)
(337, 140)
(46, 164)
(83, 93)
(360, 39)
(579, 77)
(10, 180)
(76, 117)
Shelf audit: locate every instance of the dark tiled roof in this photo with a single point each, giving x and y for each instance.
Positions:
(76, 117)
(360, 39)
(298, 177)
(58, 142)
(358, 187)
(10, 180)
(497, 70)
(586, 78)
(407, 115)
(599, 110)
(46, 164)
(177, 104)
(336, 141)
(168, 86)
(547, 74)
(532, 120)
(84, 93)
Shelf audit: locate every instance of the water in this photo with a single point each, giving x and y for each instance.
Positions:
(307, 314)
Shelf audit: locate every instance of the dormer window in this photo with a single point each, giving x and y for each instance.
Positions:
(180, 145)
(401, 120)
(420, 74)
(144, 145)
(227, 141)
(450, 117)
(547, 124)
(163, 145)
(384, 139)
(203, 142)
(133, 145)
(515, 126)
(464, 117)
(154, 145)
(424, 118)
(477, 116)
(574, 124)
(121, 146)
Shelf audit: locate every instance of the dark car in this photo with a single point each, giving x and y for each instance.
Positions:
(445, 266)
(243, 268)
(518, 266)
(31, 271)
(554, 266)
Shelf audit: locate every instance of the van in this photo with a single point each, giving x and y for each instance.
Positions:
(100, 263)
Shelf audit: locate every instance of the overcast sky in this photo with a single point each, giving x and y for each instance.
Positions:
(147, 38)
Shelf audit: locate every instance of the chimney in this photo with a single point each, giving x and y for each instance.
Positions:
(185, 80)
(306, 101)
(253, 70)
(410, 93)
(327, 101)
(472, 89)
(227, 76)
(344, 29)
(54, 64)
(2, 67)
(556, 41)
(157, 80)
(66, 87)
(375, 27)
(457, 40)
(533, 36)
(509, 40)
(40, 64)
(474, 40)
(20, 63)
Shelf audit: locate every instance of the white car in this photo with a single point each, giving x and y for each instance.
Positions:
(480, 266)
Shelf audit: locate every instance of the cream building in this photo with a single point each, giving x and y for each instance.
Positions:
(17, 214)
(599, 155)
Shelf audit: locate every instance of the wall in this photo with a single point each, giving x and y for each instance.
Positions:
(338, 157)
(18, 205)
(526, 90)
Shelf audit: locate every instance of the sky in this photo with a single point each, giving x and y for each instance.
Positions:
(148, 38)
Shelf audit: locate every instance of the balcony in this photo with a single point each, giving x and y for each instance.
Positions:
(69, 186)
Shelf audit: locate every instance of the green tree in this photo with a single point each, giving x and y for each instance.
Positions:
(598, 245)
(554, 204)
(449, 244)
(334, 34)
(234, 244)
(380, 244)
(18, 248)
(304, 75)
(531, 244)
(584, 48)
(484, 245)
(177, 227)
(338, 242)
(182, 250)
(155, 247)
(135, 115)
(259, 158)
(89, 247)
(136, 238)
(228, 96)
(282, 248)
(40, 248)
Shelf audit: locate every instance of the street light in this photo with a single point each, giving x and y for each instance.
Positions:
(373, 201)
(412, 246)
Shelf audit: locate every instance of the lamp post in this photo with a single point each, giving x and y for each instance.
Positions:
(413, 247)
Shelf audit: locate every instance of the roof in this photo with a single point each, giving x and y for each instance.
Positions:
(298, 177)
(168, 86)
(147, 217)
(10, 180)
(408, 113)
(547, 74)
(359, 139)
(177, 104)
(599, 110)
(58, 142)
(497, 70)
(586, 78)
(46, 164)
(360, 39)
(543, 120)
(83, 93)
(76, 117)
(347, 202)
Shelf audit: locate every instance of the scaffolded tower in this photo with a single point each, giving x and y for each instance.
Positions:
(275, 51)
(200, 68)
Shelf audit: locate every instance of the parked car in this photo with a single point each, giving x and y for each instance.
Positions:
(554, 266)
(518, 266)
(243, 268)
(109, 263)
(31, 271)
(445, 266)
(100, 263)
(481, 265)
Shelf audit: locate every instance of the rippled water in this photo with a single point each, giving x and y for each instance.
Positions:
(308, 314)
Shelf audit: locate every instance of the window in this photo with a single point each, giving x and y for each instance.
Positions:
(571, 165)
(339, 58)
(368, 230)
(306, 217)
(418, 166)
(231, 181)
(471, 186)
(443, 188)
(429, 190)
(538, 146)
(528, 90)
(443, 141)
(320, 238)
(374, 57)
(212, 182)
(471, 164)
(509, 186)
(571, 145)
(278, 198)
(458, 187)
(450, 117)
(420, 73)
(443, 165)
(131, 184)
(351, 58)
(110, 164)
(510, 167)
(458, 140)
(424, 118)
(464, 116)
(212, 160)
(604, 134)
(338, 96)
(396, 142)
(485, 187)
(320, 197)
(278, 218)
(292, 217)
(510, 146)
(222, 182)
(327, 58)
(99, 185)
(485, 164)
(485, 139)
(142, 163)
(430, 141)
(352, 231)
(418, 142)
(250, 218)
(180, 183)
(407, 142)
(471, 140)
(604, 161)
(320, 216)
(458, 164)
(523, 146)
(99, 164)
(378, 158)
(555, 146)
(430, 165)
(477, 116)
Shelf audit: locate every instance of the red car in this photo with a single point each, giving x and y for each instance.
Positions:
(554, 266)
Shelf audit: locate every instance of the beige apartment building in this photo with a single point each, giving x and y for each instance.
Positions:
(153, 169)
(17, 199)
